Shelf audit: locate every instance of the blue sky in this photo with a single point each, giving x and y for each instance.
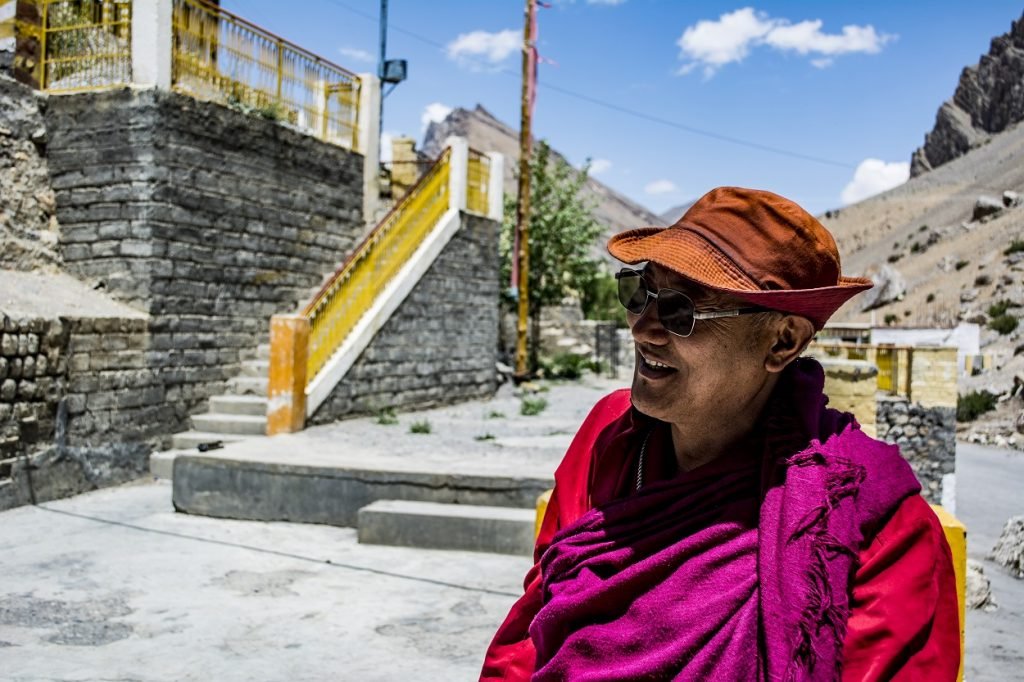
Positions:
(853, 84)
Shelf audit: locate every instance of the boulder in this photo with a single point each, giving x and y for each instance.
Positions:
(986, 206)
(979, 589)
(1009, 549)
(1011, 199)
(889, 286)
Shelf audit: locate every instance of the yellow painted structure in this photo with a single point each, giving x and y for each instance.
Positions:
(542, 509)
(286, 391)
(477, 180)
(956, 536)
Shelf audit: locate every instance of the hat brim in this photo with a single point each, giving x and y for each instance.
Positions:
(692, 256)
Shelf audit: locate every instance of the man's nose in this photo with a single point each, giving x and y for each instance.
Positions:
(646, 327)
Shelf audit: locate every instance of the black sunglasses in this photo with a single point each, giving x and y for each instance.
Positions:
(676, 310)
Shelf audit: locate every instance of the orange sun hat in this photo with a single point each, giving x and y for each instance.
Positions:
(755, 245)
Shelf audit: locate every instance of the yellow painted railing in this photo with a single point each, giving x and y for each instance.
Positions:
(77, 44)
(343, 300)
(220, 56)
(476, 182)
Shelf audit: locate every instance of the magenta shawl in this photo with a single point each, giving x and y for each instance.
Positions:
(734, 572)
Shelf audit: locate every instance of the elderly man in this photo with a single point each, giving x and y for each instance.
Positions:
(717, 521)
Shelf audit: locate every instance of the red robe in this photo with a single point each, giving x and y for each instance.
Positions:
(904, 623)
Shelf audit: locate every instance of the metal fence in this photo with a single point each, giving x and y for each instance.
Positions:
(76, 45)
(220, 56)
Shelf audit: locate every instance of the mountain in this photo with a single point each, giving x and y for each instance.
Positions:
(486, 133)
(988, 99)
(673, 214)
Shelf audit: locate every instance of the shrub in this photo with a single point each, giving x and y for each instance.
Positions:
(961, 264)
(922, 228)
(890, 319)
(895, 257)
(973, 404)
(420, 427)
(916, 247)
(1015, 246)
(387, 417)
(929, 298)
(1004, 324)
(565, 366)
(486, 436)
(982, 281)
(1000, 308)
(533, 406)
(906, 313)
(599, 299)
(495, 414)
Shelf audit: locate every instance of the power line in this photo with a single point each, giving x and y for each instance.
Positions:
(710, 134)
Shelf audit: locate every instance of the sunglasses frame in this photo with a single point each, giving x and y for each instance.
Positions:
(710, 315)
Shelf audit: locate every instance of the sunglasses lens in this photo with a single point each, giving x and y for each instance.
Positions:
(632, 292)
(675, 310)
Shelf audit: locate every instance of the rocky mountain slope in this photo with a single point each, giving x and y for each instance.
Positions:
(988, 99)
(485, 132)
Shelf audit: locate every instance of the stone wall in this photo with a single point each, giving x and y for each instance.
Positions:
(78, 406)
(28, 226)
(927, 439)
(439, 346)
(851, 386)
(208, 219)
(933, 377)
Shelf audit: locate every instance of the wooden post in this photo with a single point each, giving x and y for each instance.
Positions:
(523, 204)
(286, 399)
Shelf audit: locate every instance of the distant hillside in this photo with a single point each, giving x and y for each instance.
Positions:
(486, 133)
(988, 99)
(673, 214)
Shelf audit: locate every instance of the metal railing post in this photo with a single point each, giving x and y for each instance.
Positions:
(152, 41)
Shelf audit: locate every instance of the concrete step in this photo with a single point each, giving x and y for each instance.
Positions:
(430, 525)
(189, 440)
(239, 404)
(285, 478)
(241, 424)
(248, 385)
(255, 368)
(161, 464)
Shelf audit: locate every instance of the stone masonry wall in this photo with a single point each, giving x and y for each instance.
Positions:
(78, 406)
(28, 226)
(440, 345)
(927, 439)
(850, 386)
(209, 220)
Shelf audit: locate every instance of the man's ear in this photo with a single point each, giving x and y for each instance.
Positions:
(791, 334)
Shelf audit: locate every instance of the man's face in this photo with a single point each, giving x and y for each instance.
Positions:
(711, 375)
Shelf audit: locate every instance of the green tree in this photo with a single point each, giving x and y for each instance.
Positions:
(562, 230)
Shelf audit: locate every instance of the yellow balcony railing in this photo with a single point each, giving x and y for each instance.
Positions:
(477, 179)
(75, 45)
(342, 301)
(220, 56)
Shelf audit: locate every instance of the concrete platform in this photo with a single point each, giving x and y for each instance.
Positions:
(429, 525)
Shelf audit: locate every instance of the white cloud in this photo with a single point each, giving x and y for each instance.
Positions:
(357, 55)
(478, 48)
(715, 43)
(598, 166)
(874, 176)
(435, 112)
(660, 187)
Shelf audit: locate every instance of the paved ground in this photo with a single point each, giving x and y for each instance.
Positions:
(114, 585)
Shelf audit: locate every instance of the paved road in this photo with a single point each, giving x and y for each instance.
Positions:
(990, 489)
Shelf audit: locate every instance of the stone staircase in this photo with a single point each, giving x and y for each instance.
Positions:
(239, 414)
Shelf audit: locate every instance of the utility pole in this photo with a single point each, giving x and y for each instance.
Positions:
(523, 204)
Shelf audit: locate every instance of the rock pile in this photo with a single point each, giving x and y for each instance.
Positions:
(979, 589)
(1009, 549)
